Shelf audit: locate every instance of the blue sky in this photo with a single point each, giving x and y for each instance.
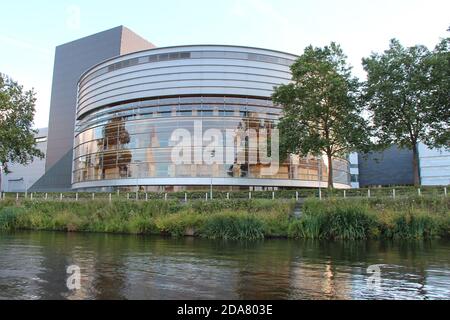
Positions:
(30, 30)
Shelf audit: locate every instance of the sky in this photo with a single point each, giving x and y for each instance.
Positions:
(30, 30)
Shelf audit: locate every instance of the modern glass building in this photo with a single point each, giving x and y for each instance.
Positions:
(128, 108)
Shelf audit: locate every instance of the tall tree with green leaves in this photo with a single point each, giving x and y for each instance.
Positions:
(408, 94)
(17, 109)
(439, 136)
(321, 110)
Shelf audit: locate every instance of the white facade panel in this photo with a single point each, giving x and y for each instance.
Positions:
(434, 166)
(144, 71)
(200, 75)
(23, 177)
(145, 81)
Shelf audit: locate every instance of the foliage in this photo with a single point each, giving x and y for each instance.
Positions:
(233, 226)
(404, 218)
(321, 113)
(17, 108)
(177, 224)
(334, 220)
(407, 218)
(9, 217)
(407, 92)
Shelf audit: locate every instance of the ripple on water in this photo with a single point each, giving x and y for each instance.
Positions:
(33, 266)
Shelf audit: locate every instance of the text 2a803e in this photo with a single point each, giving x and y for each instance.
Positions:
(230, 309)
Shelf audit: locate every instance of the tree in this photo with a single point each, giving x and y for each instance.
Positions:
(439, 135)
(321, 113)
(407, 92)
(17, 143)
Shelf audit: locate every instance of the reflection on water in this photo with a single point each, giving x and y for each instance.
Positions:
(33, 266)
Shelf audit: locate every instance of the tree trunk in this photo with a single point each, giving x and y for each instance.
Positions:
(330, 171)
(416, 165)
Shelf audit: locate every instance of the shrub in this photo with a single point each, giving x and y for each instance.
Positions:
(140, 224)
(177, 224)
(332, 219)
(9, 217)
(348, 222)
(233, 226)
(410, 225)
(309, 226)
(66, 221)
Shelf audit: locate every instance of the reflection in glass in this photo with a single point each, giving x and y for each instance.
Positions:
(133, 145)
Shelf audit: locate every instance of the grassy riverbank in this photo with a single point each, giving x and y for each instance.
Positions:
(402, 218)
(227, 219)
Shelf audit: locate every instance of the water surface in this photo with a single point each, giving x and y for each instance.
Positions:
(33, 265)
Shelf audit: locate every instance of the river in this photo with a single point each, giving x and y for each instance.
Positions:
(33, 265)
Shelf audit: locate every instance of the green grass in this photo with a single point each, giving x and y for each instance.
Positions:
(405, 218)
(349, 219)
(334, 220)
(228, 219)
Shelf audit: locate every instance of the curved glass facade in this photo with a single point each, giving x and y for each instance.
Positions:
(126, 140)
(132, 140)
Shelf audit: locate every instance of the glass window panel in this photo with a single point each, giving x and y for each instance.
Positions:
(185, 55)
(163, 57)
(174, 55)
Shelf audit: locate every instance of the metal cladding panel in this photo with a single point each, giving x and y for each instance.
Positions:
(137, 73)
(207, 181)
(434, 166)
(390, 167)
(71, 60)
(223, 70)
(96, 93)
(132, 42)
